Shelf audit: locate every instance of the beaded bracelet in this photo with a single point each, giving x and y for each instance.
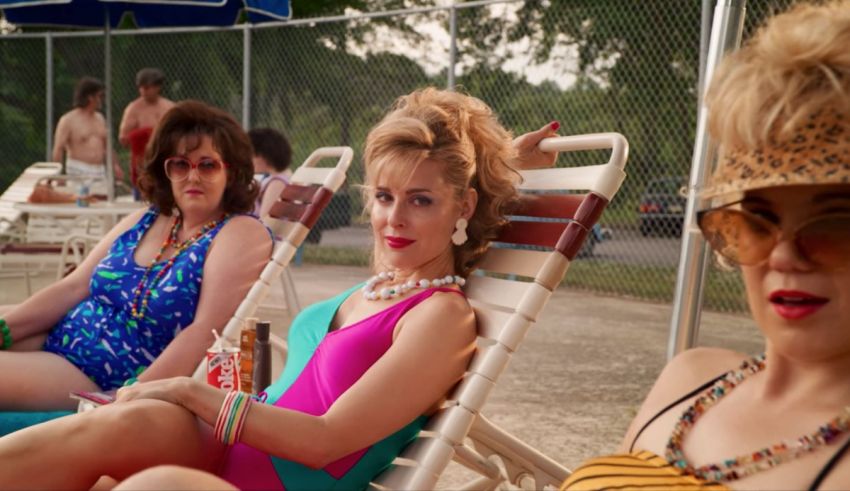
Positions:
(231, 417)
(6, 334)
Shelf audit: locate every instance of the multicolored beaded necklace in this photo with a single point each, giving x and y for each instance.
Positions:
(144, 289)
(745, 465)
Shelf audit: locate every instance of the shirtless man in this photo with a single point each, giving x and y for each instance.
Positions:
(81, 133)
(142, 115)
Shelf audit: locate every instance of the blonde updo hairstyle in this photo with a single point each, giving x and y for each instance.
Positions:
(463, 134)
(796, 64)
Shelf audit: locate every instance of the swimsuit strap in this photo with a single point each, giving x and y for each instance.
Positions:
(674, 404)
(829, 466)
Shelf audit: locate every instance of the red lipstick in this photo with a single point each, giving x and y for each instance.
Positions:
(793, 304)
(398, 242)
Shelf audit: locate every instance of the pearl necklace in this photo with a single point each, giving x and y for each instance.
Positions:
(389, 292)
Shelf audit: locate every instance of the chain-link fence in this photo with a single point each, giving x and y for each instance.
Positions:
(594, 65)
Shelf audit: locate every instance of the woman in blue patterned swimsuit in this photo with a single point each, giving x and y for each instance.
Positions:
(143, 303)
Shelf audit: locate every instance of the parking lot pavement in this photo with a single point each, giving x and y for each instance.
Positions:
(575, 383)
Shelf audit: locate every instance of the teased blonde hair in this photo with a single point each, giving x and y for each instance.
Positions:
(463, 134)
(796, 64)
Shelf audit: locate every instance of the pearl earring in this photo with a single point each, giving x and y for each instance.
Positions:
(460, 237)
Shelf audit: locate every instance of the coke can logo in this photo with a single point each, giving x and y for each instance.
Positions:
(227, 375)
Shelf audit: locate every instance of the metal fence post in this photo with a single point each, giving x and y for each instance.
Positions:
(48, 75)
(690, 278)
(450, 78)
(246, 77)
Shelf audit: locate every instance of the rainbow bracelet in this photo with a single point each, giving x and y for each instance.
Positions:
(6, 335)
(231, 417)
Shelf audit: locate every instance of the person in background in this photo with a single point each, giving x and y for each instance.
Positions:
(142, 305)
(272, 157)
(778, 207)
(80, 138)
(141, 117)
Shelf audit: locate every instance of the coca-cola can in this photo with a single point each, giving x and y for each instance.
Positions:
(223, 368)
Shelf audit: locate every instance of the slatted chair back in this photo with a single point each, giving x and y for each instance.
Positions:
(19, 191)
(301, 203)
(512, 286)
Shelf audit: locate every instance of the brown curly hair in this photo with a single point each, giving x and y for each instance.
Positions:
(461, 132)
(190, 120)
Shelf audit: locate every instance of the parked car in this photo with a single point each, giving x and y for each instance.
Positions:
(662, 206)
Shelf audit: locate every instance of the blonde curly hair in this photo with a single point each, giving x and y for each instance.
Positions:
(462, 133)
(797, 64)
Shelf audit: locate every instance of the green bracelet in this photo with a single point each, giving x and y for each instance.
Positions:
(7, 335)
(130, 381)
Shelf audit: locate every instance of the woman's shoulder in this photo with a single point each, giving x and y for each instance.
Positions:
(245, 225)
(442, 309)
(695, 366)
(689, 370)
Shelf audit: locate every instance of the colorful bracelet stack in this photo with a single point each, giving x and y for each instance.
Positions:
(6, 335)
(231, 417)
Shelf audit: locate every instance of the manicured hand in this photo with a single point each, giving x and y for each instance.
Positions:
(529, 155)
(168, 390)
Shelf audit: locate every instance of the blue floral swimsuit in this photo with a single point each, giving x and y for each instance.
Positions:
(100, 336)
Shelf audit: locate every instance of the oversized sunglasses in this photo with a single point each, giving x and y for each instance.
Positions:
(178, 168)
(748, 239)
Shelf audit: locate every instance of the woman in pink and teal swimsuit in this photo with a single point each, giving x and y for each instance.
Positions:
(364, 369)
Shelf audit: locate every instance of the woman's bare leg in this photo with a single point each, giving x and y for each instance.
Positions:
(38, 381)
(117, 440)
(170, 477)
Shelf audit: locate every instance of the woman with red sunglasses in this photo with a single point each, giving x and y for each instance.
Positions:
(778, 208)
(142, 305)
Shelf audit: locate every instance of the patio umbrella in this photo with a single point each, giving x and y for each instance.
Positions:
(145, 13)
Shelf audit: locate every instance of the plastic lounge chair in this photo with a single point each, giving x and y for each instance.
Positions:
(505, 310)
(291, 218)
(11, 225)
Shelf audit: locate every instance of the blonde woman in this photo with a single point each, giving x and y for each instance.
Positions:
(780, 209)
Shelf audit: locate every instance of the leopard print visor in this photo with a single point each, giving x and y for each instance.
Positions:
(817, 153)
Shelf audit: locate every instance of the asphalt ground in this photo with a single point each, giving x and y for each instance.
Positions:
(574, 384)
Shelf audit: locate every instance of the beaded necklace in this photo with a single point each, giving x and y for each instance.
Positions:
(745, 465)
(144, 289)
(386, 293)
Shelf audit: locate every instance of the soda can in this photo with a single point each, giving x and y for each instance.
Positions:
(223, 368)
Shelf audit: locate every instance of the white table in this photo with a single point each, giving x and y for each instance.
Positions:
(53, 222)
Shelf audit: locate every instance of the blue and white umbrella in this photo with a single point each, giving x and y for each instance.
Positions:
(146, 13)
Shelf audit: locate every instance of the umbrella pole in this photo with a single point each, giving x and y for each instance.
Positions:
(690, 279)
(107, 78)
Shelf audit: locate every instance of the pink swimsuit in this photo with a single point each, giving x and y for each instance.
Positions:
(320, 367)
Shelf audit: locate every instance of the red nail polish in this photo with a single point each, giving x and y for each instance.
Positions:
(554, 125)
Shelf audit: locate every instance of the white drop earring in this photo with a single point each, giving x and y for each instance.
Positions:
(460, 237)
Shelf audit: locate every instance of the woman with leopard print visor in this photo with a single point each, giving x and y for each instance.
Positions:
(779, 209)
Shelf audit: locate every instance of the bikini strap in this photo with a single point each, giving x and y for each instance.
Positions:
(829, 466)
(674, 404)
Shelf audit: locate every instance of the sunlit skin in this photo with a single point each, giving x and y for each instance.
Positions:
(413, 217)
(196, 195)
(820, 331)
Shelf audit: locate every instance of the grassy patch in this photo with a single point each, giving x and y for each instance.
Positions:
(724, 291)
(343, 256)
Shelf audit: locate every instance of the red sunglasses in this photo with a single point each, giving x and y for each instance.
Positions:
(748, 239)
(178, 168)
